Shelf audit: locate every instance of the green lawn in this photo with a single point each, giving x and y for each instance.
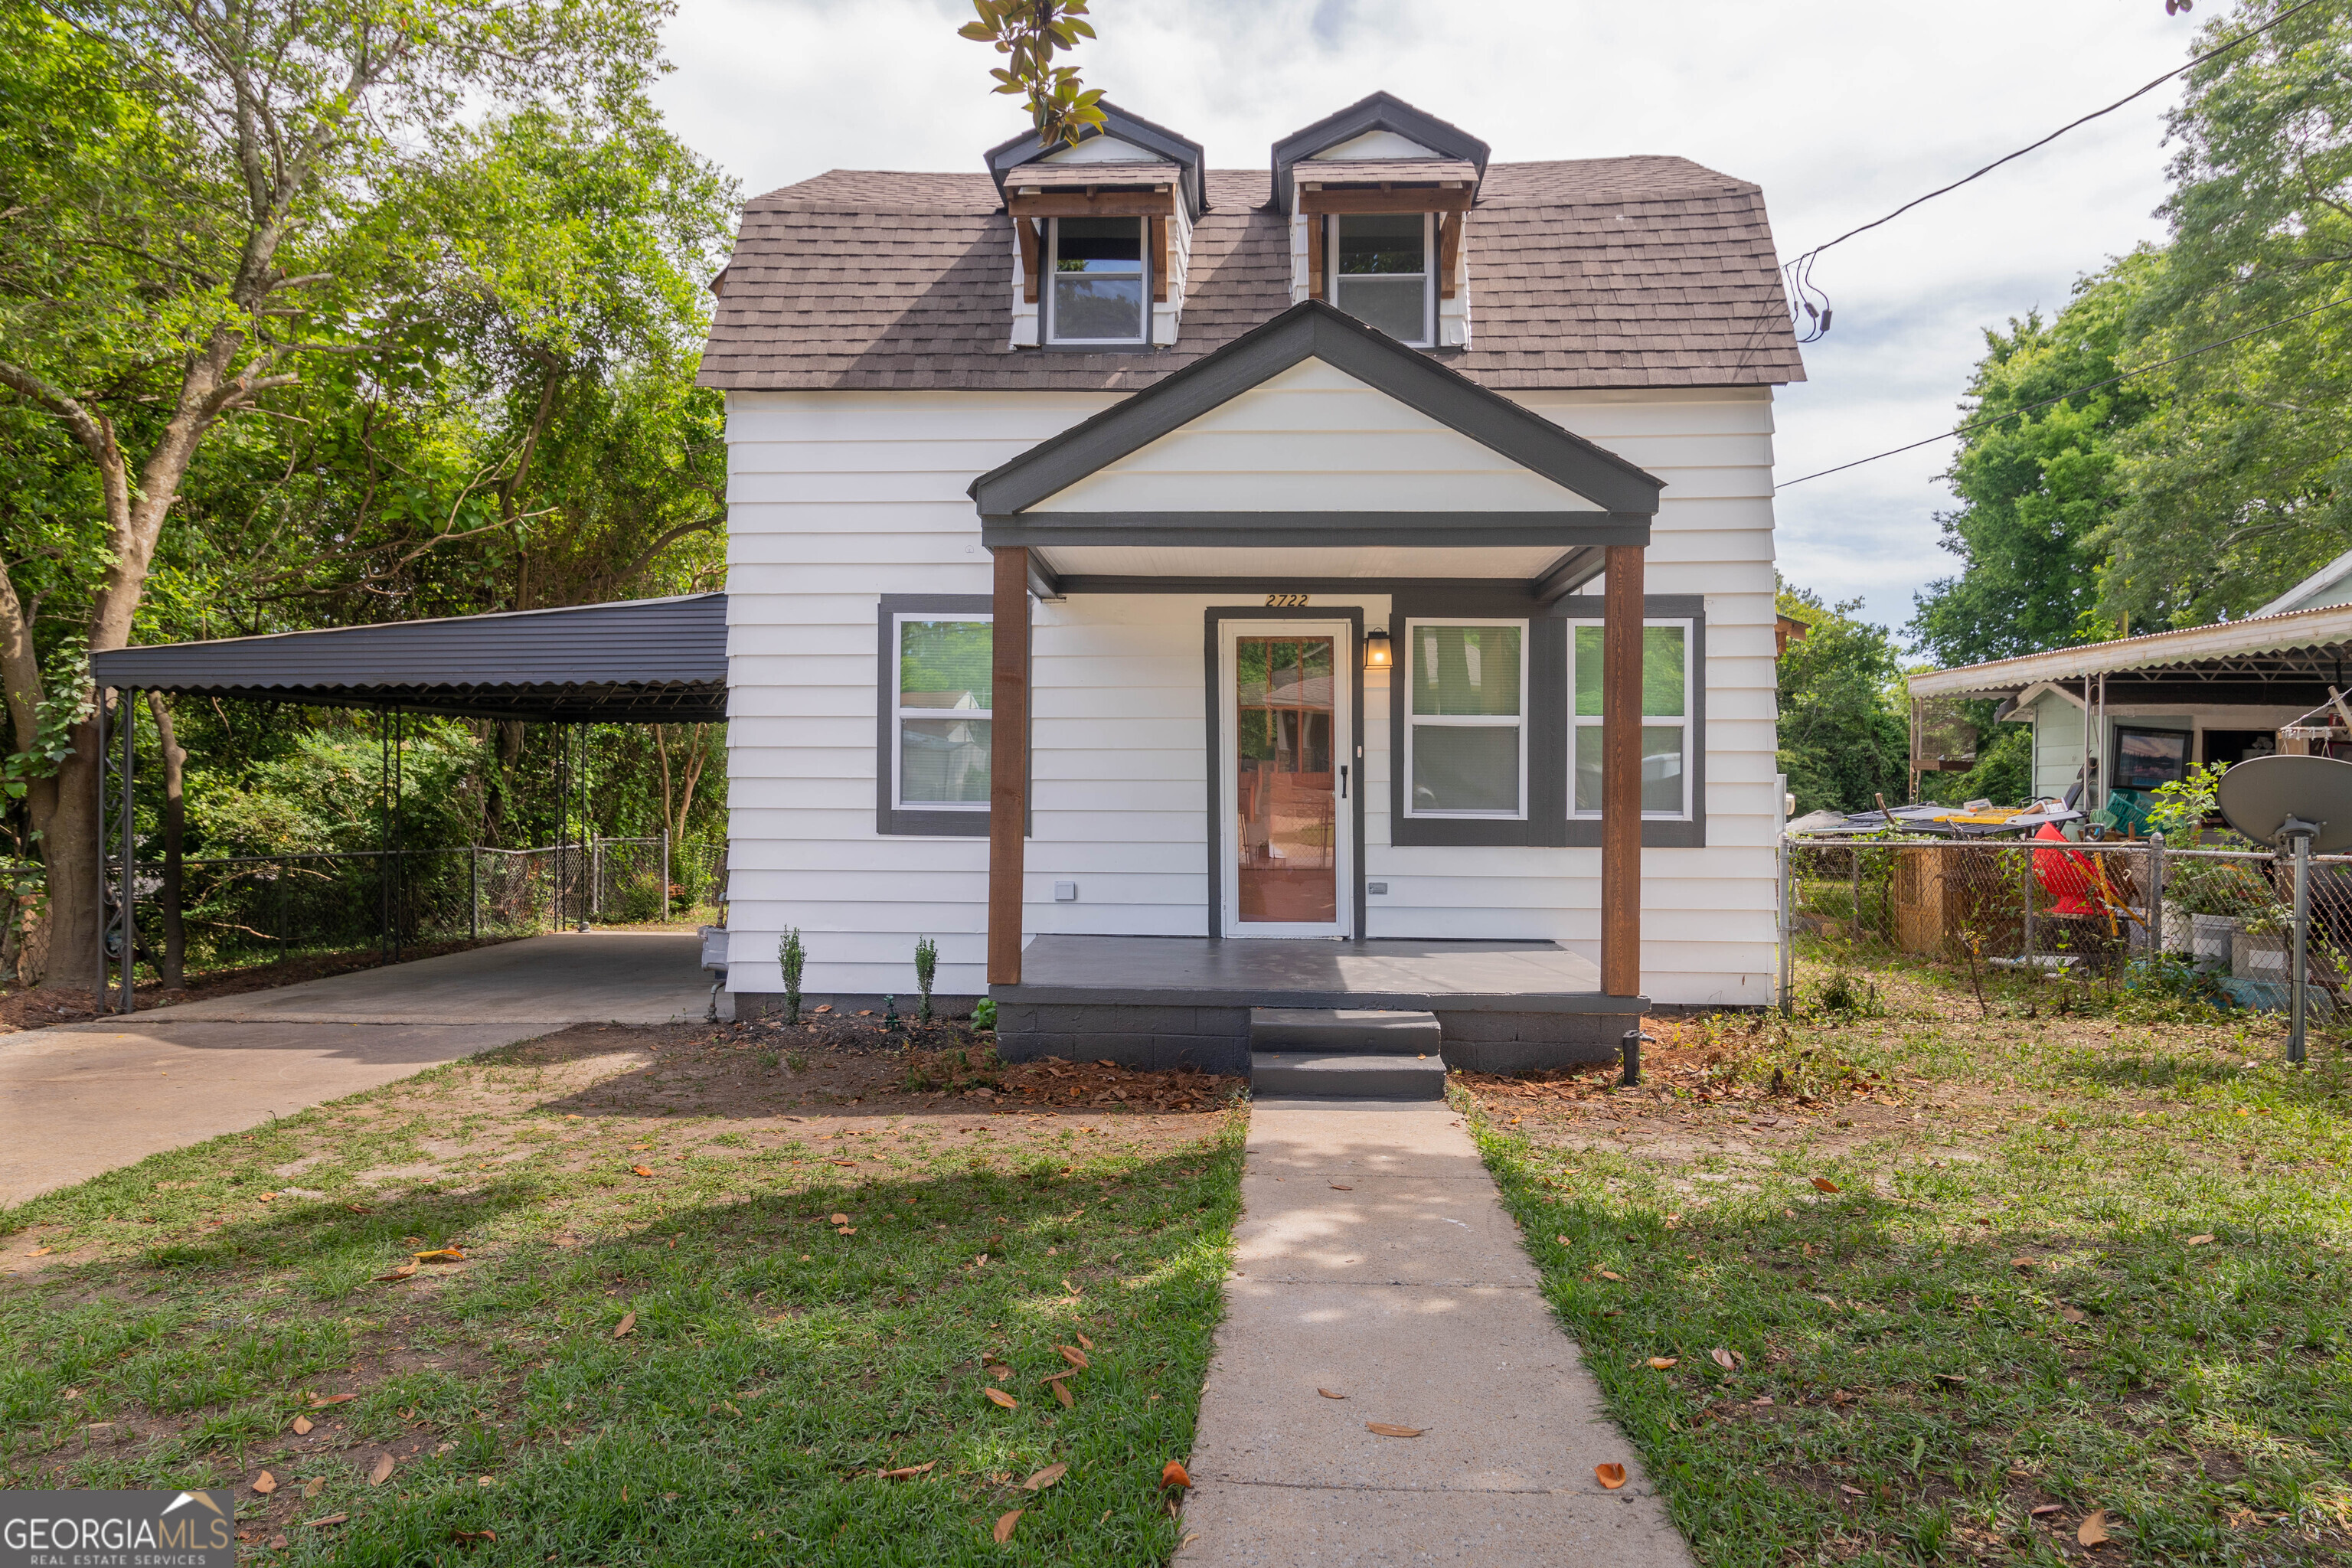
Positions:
(2074, 1267)
(770, 1364)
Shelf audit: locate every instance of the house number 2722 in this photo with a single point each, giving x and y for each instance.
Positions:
(1285, 601)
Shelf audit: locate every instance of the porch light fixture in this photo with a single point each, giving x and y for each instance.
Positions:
(1377, 654)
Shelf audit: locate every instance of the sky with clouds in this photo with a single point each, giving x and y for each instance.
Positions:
(1841, 110)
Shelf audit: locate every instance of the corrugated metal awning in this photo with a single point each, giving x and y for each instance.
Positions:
(2291, 651)
(635, 662)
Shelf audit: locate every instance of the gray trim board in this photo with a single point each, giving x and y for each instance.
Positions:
(1380, 111)
(1313, 330)
(889, 817)
(1088, 583)
(1570, 572)
(1354, 529)
(1354, 616)
(1548, 822)
(1188, 155)
(633, 661)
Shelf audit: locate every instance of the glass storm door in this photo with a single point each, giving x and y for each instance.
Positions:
(1288, 779)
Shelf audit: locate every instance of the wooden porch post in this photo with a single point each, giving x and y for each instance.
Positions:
(1621, 775)
(1008, 765)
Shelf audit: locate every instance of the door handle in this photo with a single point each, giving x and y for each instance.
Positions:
(1343, 781)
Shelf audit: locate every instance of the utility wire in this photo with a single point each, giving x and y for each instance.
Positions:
(1799, 270)
(2093, 387)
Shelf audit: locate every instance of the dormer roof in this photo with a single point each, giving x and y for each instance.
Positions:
(1125, 139)
(1383, 128)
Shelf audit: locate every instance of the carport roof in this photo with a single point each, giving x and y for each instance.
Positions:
(637, 661)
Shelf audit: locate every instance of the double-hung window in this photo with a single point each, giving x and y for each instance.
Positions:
(1099, 291)
(1381, 265)
(1666, 763)
(1465, 729)
(940, 740)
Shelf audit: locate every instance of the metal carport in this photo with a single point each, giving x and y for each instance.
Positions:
(637, 661)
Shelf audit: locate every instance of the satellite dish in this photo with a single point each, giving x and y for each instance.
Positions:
(2260, 795)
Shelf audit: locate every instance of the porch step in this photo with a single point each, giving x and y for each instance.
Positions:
(1324, 1075)
(1362, 1032)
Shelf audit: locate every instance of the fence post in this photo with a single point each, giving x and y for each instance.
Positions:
(595, 878)
(2025, 889)
(664, 873)
(2156, 892)
(1788, 938)
(282, 921)
(473, 893)
(2298, 995)
(1853, 866)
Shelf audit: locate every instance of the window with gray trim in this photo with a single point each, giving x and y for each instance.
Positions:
(1550, 721)
(1382, 268)
(1465, 753)
(1099, 288)
(934, 731)
(1666, 704)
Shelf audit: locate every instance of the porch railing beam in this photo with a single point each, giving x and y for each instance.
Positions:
(1008, 764)
(1621, 773)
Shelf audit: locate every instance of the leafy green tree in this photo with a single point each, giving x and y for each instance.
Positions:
(2038, 485)
(1844, 739)
(187, 184)
(1029, 33)
(2242, 482)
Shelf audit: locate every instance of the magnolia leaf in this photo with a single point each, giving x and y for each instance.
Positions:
(1061, 1392)
(997, 1397)
(1725, 1359)
(321, 1401)
(1046, 1477)
(441, 1254)
(629, 1325)
(2199, 1240)
(265, 1483)
(1611, 1475)
(642, 1170)
(1075, 1356)
(1605, 1274)
(383, 1472)
(909, 1471)
(1385, 1430)
(1660, 1363)
(2094, 1532)
(301, 1426)
(1824, 1184)
(1004, 1531)
(1174, 1474)
(1329, 1394)
(397, 1274)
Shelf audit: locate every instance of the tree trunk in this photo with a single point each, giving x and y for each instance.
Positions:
(175, 932)
(69, 846)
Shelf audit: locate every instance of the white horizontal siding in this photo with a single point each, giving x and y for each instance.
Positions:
(839, 497)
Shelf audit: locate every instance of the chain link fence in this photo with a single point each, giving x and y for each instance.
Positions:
(2219, 924)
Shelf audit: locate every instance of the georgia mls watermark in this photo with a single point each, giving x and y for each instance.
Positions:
(118, 1529)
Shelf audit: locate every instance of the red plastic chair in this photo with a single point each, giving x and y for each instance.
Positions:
(2065, 875)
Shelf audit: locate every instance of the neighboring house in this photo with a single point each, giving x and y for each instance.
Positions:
(2136, 712)
(1207, 468)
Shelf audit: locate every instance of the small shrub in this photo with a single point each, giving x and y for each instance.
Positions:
(927, 969)
(983, 1012)
(791, 955)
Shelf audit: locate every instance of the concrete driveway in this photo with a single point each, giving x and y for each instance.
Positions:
(81, 1099)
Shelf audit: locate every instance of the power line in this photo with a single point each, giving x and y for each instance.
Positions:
(2093, 387)
(1801, 291)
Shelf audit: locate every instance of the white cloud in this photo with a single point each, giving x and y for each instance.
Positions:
(1841, 110)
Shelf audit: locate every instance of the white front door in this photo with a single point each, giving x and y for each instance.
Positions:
(1287, 779)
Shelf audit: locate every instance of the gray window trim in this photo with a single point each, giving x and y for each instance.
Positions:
(1354, 616)
(1548, 821)
(889, 817)
(1429, 311)
(1051, 337)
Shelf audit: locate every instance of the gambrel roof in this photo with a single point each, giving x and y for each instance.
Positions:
(1599, 272)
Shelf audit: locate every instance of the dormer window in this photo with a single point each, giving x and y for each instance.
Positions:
(1381, 267)
(1101, 281)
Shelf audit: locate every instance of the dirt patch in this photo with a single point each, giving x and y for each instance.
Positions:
(44, 1007)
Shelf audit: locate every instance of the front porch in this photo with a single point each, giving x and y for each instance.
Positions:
(1166, 1001)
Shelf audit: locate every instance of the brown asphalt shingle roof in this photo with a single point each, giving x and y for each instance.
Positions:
(1602, 272)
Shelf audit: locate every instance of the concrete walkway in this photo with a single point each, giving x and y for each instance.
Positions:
(82, 1099)
(1374, 1259)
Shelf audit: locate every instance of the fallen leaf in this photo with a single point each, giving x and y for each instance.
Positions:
(359, 1208)
(397, 1274)
(314, 1486)
(909, 1471)
(2192, 1241)
(1824, 1184)
(1338, 1188)
(1062, 1393)
(265, 1483)
(1562, 1240)
(1004, 1531)
(2074, 1314)
(981, 1262)
(2046, 1509)
(1606, 1275)
(1073, 1356)
(2024, 1265)
(1950, 1378)
(441, 1254)
(629, 1325)
(383, 1472)
(1660, 1363)
(1174, 1474)
(331, 1519)
(40, 1252)
(263, 1197)
(467, 1537)
(1609, 1475)
(1083, 1343)
(1385, 1430)
(2094, 1532)
(846, 1230)
(1851, 1491)
(321, 1401)
(1673, 1220)
(997, 1397)
(1044, 1478)
(301, 1426)
(1728, 1360)
(1329, 1394)
(844, 1162)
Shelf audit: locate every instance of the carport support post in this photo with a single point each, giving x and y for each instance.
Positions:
(1621, 773)
(1008, 763)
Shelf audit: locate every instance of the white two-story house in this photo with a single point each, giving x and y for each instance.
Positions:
(1175, 589)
